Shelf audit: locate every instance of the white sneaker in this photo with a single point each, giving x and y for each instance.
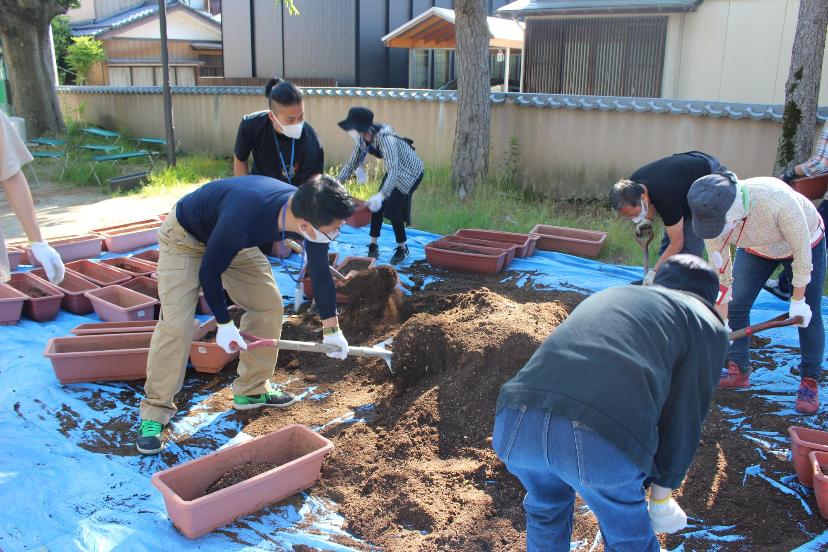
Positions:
(667, 517)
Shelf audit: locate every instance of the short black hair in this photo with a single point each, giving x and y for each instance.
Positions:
(689, 273)
(321, 200)
(282, 92)
(625, 193)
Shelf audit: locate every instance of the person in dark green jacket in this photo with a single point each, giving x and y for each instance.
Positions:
(615, 399)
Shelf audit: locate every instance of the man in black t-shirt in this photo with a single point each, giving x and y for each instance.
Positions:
(660, 188)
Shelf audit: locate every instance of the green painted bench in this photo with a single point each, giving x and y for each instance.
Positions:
(115, 157)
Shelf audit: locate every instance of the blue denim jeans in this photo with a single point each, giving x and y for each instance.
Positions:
(554, 458)
(692, 243)
(749, 273)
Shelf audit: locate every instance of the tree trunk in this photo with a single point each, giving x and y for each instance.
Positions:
(802, 88)
(470, 159)
(24, 32)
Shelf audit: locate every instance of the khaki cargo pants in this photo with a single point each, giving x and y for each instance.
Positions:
(249, 281)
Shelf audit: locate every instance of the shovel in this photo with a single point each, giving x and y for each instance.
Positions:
(254, 342)
(778, 322)
(644, 242)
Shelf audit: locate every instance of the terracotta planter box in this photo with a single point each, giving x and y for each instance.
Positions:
(87, 358)
(146, 286)
(803, 442)
(15, 256)
(296, 450)
(11, 305)
(817, 460)
(126, 237)
(97, 273)
(354, 261)
(72, 248)
(307, 287)
(150, 255)
(73, 288)
(98, 328)
(466, 257)
(133, 267)
(361, 217)
(510, 249)
(119, 304)
(812, 187)
(208, 357)
(526, 242)
(163, 216)
(574, 241)
(41, 306)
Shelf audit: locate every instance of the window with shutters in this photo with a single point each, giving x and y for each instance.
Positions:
(601, 56)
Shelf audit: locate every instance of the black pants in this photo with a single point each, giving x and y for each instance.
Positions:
(397, 209)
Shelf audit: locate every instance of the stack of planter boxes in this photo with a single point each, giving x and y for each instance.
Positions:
(475, 250)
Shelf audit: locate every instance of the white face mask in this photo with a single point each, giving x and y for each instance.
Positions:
(293, 131)
(318, 236)
(354, 134)
(640, 216)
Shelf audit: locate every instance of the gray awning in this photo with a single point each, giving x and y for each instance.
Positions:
(574, 7)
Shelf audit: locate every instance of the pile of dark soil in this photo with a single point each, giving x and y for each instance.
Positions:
(237, 475)
(373, 302)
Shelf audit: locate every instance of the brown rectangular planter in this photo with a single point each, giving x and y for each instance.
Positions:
(812, 187)
(355, 263)
(113, 357)
(462, 257)
(208, 357)
(42, 305)
(72, 248)
(148, 287)
(307, 287)
(126, 237)
(509, 248)
(119, 304)
(97, 273)
(296, 450)
(133, 267)
(526, 242)
(163, 216)
(73, 288)
(574, 241)
(151, 255)
(97, 328)
(11, 305)
(15, 256)
(804, 441)
(819, 465)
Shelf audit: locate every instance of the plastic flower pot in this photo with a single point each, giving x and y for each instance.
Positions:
(509, 248)
(73, 288)
(15, 256)
(98, 328)
(97, 273)
(812, 187)
(574, 241)
(126, 237)
(151, 255)
(526, 242)
(112, 357)
(361, 216)
(72, 248)
(132, 266)
(817, 460)
(297, 451)
(146, 286)
(208, 356)
(42, 298)
(466, 257)
(803, 442)
(119, 304)
(11, 305)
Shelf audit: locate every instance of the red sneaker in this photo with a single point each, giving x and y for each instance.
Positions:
(807, 401)
(733, 378)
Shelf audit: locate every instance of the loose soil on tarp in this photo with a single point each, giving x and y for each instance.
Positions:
(237, 475)
(32, 292)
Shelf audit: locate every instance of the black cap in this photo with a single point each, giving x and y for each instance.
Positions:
(686, 272)
(359, 118)
(709, 198)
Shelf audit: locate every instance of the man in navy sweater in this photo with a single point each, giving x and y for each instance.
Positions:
(211, 240)
(613, 399)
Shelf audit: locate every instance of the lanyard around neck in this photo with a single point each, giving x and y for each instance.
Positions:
(283, 216)
(288, 172)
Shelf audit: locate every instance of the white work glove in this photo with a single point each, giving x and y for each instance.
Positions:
(375, 202)
(229, 338)
(50, 259)
(666, 516)
(728, 330)
(801, 308)
(360, 175)
(648, 279)
(298, 297)
(339, 340)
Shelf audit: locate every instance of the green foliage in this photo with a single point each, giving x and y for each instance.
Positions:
(291, 7)
(61, 34)
(69, 4)
(82, 54)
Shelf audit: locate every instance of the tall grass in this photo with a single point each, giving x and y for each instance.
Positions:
(189, 170)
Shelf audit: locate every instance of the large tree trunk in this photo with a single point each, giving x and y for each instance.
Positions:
(802, 88)
(470, 160)
(24, 32)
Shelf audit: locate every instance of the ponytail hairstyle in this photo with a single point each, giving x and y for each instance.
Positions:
(282, 92)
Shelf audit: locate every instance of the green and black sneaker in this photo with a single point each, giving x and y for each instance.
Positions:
(275, 397)
(149, 434)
